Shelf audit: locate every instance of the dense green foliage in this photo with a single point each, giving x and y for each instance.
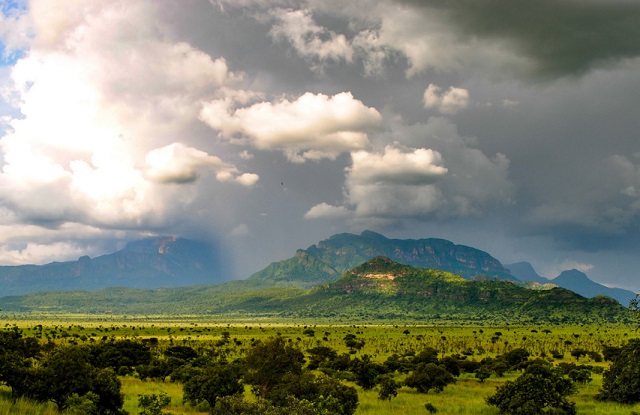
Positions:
(622, 381)
(153, 404)
(63, 375)
(390, 355)
(427, 376)
(211, 383)
(540, 389)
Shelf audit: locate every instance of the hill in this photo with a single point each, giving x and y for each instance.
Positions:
(578, 282)
(151, 262)
(379, 289)
(524, 271)
(573, 280)
(329, 259)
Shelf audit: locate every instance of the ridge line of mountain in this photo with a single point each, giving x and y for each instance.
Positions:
(171, 262)
(379, 289)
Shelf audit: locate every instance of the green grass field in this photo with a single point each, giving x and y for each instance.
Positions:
(466, 396)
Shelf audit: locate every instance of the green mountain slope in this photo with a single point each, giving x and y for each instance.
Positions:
(385, 289)
(379, 289)
(329, 259)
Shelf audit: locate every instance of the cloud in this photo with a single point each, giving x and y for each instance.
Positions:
(101, 103)
(491, 38)
(395, 166)
(34, 253)
(515, 38)
(240, 230)
(604, 203)
(326, 211)
(396, 182)
(313, 127)
(14, 32)
(448, 102)
(307, 38)
(247, 179)
(450, 179)
(177, 163)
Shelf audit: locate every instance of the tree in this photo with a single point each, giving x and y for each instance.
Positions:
(185, 353)
(428, 355)
(581, 376)
(578, 353)
(66, 378)
(538, 389)
(120, 355)
(336, 398)
(153, 404)
(267, 362)
(366, 372)
(388, 388)
(430, 408)
(621, 383)
(16, 355)
(482, 373)
(427, 376)
(352, 342)
(320, 355)
(212, 383)
(515, 357)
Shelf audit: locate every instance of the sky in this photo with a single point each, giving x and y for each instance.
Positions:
(267, 126)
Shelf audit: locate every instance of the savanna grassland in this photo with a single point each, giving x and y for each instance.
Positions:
(232, 338)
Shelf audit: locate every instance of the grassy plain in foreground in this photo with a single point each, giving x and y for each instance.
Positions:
(466, 396)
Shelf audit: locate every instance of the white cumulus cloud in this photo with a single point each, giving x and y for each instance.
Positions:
(177, 163)
(313, 127)
(101, 103)
(451, 178)
(309, 39)
(447, 102)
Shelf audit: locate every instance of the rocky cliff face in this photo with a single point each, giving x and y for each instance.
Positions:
(327, 260)
(147, 263)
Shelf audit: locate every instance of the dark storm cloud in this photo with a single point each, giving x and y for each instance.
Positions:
(528, 110)
(562, 38)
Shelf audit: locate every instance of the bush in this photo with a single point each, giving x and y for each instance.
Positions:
(538, 390)
(427, 376)
(153, 404)
(388, 388)
(621, 382)
(212, 383)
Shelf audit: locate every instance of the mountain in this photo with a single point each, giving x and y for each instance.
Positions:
(524, 272)
(329, 259)
(147, 263)
(573, 280)
(377, 290)
(578, 282)
(388, 289)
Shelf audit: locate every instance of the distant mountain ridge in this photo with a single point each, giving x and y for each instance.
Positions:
(330, 258)
(573, 280)
(177, 262)
(151, 262)
(377, 290)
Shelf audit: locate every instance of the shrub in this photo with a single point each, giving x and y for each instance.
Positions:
(621, 382)
(538, 390)
(427, 376)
